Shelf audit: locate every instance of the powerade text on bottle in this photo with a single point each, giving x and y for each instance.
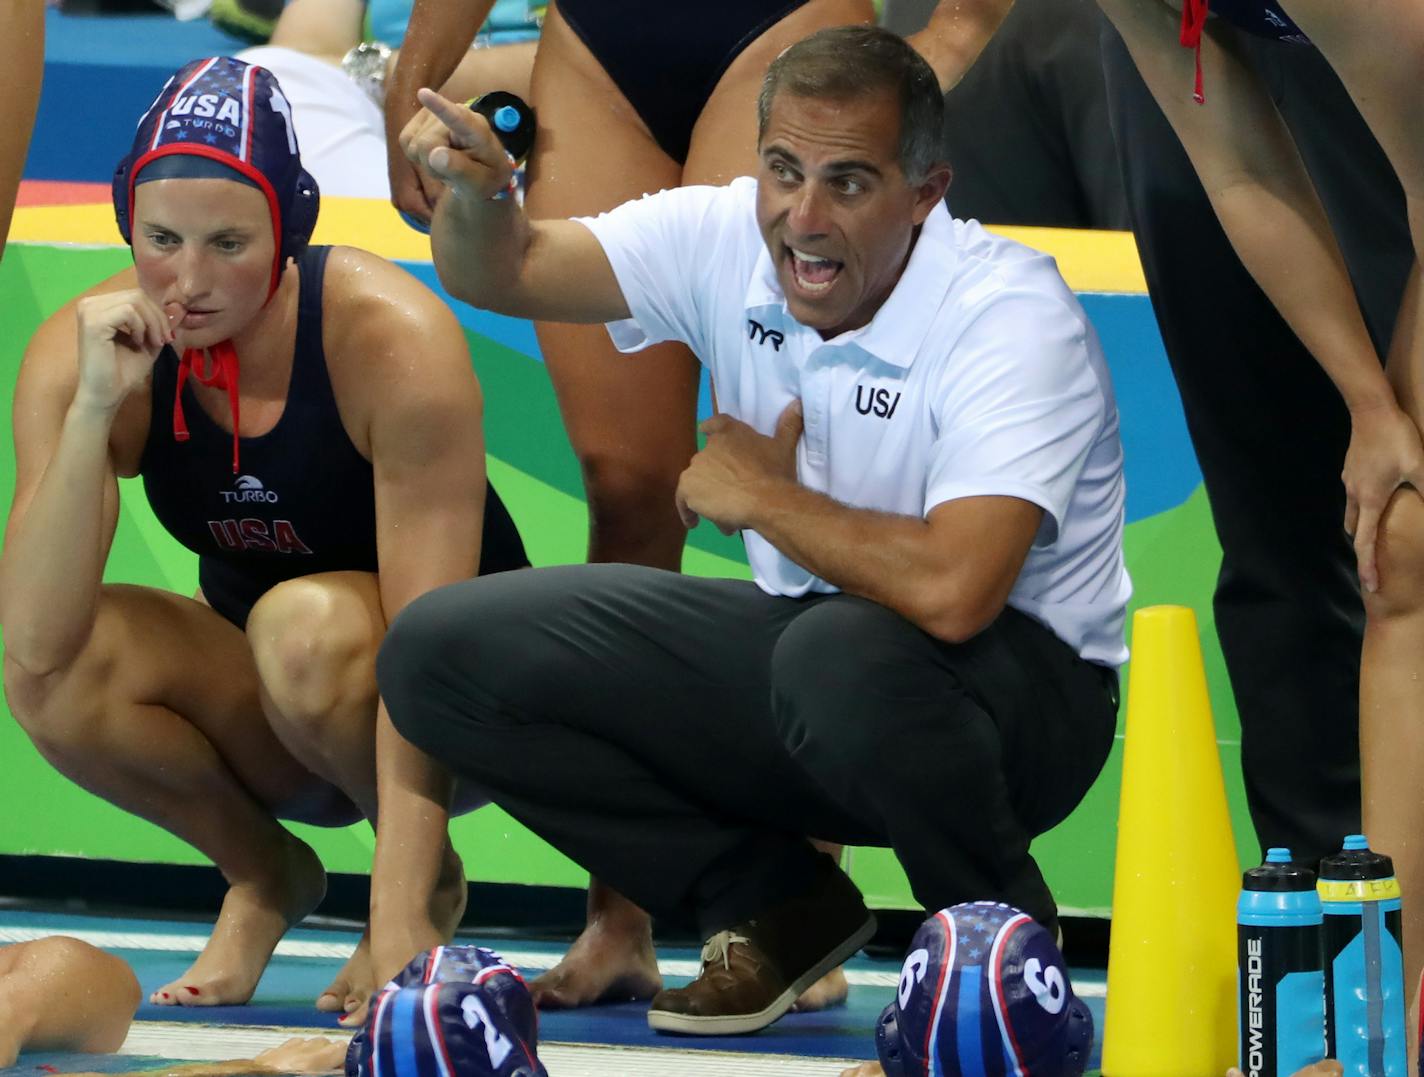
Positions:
(512, 122)
(1364, 975)
(1280, 981)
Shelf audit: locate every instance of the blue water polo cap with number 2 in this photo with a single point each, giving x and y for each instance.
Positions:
(454, 1011)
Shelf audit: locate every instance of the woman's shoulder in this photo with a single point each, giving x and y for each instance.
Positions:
(364, 291)
(377, 319)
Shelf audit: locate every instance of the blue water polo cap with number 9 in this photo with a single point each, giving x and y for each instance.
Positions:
(984, 992)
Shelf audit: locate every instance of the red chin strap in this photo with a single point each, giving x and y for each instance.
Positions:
(1193, 23)
(222, 373)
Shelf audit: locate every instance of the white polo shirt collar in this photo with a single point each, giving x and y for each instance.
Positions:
(899, 328)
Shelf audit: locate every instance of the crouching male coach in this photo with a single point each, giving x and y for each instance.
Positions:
(919, 442)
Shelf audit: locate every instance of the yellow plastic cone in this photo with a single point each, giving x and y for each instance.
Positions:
(1171, 1005)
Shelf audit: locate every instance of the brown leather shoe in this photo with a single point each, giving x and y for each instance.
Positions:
(753, 972)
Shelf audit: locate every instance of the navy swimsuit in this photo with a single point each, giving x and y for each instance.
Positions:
(666, 56)
(305, 501)
(1261, 17)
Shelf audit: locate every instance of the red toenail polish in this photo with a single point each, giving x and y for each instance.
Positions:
(191, 990)
(163, 994)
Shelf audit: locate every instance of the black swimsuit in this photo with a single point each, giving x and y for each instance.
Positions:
(305, 501)
(667, 56)
(1261, 17)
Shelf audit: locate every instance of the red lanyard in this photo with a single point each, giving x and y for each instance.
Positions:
(1193, 22)
(222, 373)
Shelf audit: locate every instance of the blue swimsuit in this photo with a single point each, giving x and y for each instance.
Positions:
(305, 501)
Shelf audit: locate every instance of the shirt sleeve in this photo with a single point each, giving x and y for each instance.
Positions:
(662, 248)
(1018, 409)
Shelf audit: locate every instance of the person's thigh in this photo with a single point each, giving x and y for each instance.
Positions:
(673, 670)
(154, 648)
(630, 420)
(724, 139)
(957, 753)
(895, 701)
(22, 50)
(314, 640)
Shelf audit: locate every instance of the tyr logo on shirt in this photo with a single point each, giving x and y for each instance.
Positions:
(761, 334)
(869, 400)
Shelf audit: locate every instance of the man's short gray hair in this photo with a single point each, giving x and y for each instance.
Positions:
(849, 62)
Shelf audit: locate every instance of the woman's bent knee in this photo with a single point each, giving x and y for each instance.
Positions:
(1399, 551)
(314, 647)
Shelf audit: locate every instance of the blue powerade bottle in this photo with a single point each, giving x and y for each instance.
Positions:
(512, 122)
(1281, 981)
(1364, 973)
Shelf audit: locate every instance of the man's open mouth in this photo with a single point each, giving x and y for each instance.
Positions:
(814, 274)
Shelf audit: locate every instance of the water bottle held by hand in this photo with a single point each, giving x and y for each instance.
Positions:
(514, 125)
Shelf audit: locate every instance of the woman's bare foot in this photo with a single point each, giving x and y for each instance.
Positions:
(612, 961)
(255, 915)
(865, 1069)
(829, 991)
(400, 936)
(606, 963)
(352, 985)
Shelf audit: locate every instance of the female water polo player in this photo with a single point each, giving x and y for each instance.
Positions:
(306, 420)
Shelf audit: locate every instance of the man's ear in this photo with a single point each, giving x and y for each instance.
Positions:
(931, 190)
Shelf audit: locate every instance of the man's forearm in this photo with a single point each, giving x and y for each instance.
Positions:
(479, 247)
(880, 556)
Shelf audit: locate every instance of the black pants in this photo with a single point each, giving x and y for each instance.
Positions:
(681, 737)
(1270, 432)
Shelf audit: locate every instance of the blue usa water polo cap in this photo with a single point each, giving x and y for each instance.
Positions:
(984, 993)
(454, 1011)
(235, 114)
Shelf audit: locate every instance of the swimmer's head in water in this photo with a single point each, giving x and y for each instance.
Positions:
(984, 990)
(454, 1011)
(222, 112)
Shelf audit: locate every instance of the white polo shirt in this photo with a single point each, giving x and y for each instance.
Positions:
(979, 375)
